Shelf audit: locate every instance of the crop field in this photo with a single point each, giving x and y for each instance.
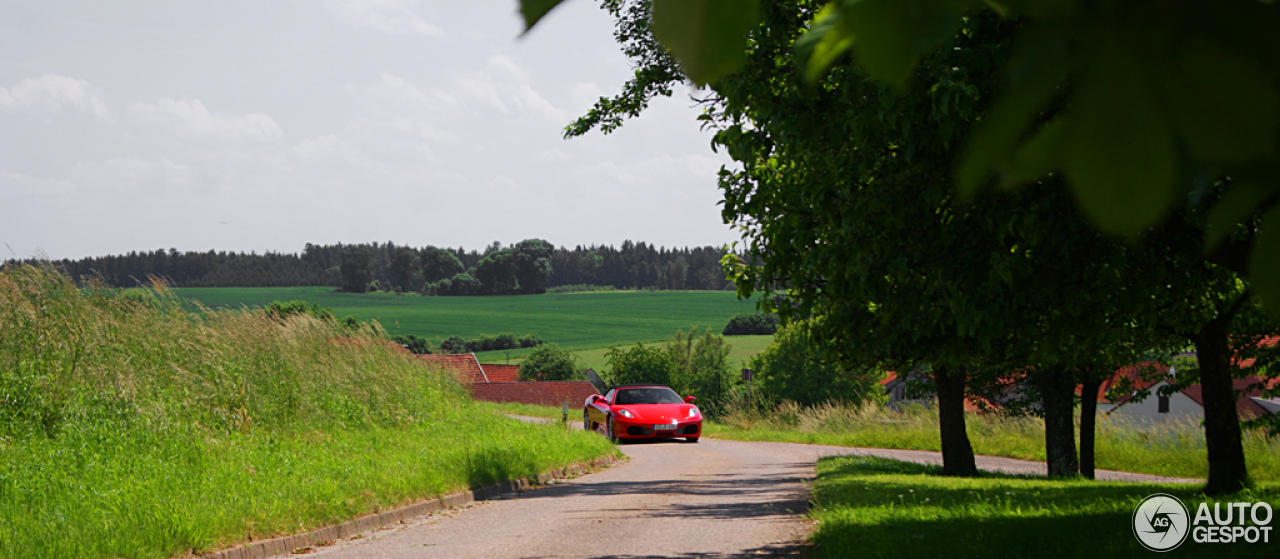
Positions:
(578, 321)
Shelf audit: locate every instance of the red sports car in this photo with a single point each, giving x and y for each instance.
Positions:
(643, 411)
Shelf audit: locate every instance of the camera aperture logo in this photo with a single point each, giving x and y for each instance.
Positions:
(1160, 522)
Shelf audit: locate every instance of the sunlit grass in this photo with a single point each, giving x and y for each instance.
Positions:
(132, 428)
(1175, 448)
(873, 507)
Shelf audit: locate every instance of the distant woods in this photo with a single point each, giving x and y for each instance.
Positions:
(530, 266)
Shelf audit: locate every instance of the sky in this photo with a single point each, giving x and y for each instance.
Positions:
(265, 125)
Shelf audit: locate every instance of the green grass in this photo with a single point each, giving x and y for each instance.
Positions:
(530, 410)
(573, 320)
(743, 348)
(130, 427)
(1173, 449)
(874, 507)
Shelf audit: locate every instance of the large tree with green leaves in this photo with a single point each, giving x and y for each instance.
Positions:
(1161, 98)
(845, 199)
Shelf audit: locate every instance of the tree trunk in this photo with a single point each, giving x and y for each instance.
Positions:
(1227, 472)
(1057, 393)
(957, 454)
(1089, 385)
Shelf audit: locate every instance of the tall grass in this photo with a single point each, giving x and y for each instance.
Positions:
(130, 427)
(1172, 448)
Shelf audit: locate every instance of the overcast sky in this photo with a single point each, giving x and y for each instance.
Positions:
(264, 125)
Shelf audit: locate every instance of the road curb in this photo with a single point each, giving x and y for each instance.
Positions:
(363, 525)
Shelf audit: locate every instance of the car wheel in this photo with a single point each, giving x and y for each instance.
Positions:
(691, 439)
(613, 437)
(586, 421)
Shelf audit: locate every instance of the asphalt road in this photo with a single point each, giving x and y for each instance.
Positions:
(719, 499)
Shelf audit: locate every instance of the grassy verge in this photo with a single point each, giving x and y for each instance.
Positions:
(1171, 449)
(873, 507)
(132, 428)
(530, 410)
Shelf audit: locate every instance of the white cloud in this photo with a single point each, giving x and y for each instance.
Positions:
(397, 17)
(18, 181)
(133, 171)
(190, 118)
(52, 92)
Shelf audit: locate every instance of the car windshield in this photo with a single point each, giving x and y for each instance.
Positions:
(656, 395)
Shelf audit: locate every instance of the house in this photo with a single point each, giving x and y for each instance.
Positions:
(901, 394)
(501, 383)
(1181, 404)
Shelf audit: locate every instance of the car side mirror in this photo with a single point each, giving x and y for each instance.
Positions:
(689, 399)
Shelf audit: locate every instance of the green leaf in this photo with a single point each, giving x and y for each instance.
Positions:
(823, 44)
(707, 37)
(1038, 70)
(1264, 262)
(533, 10)
(1235, 206)
(1119, 155)
(1038, 157)
(1225, 106)
(893, 34)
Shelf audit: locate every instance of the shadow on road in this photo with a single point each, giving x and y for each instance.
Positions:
(789, 550)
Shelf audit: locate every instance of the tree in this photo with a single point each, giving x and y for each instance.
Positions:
(405, 269)
(497, 271)
(438, 264)
(752, 324)
(357, 268)
(533, 264)
(549, 362)
(1184, 91)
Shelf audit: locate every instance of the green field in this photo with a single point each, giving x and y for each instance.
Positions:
(579, 321)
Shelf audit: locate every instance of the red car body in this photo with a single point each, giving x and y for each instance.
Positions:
(642, 411)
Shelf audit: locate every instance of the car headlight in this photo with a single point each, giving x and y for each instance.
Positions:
(627, 414)
(693, 412)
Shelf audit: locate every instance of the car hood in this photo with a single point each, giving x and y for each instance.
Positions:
(658, 413)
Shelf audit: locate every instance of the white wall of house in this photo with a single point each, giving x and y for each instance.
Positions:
(1181, 408)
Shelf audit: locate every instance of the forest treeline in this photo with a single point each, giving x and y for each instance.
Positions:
(633, 265)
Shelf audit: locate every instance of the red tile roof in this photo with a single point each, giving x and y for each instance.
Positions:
(546, 393)
(501, 373)
(1246, 408)
(463, 364)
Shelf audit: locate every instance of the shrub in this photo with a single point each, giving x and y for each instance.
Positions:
(282, 310)
(549, 362)
(419, 346)
(702, 365)
(790, 370)
(453, 344)
(752, 324)
(641, 364)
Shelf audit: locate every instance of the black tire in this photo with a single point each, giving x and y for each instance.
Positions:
(613, 438)
(586, 421)
(691, 439)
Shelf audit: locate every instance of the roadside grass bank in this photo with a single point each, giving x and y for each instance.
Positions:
(1174, 448)
(531, 410)
(899, 510)
(130, 427)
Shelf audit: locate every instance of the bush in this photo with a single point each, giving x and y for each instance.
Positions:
(419, 346)
(549, 362)
(640, 364)
(282, 310)
(752, 324)
(702, 365)
(789, 370)
(453, 344)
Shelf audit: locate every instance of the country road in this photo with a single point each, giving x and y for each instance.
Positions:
(719, 499)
